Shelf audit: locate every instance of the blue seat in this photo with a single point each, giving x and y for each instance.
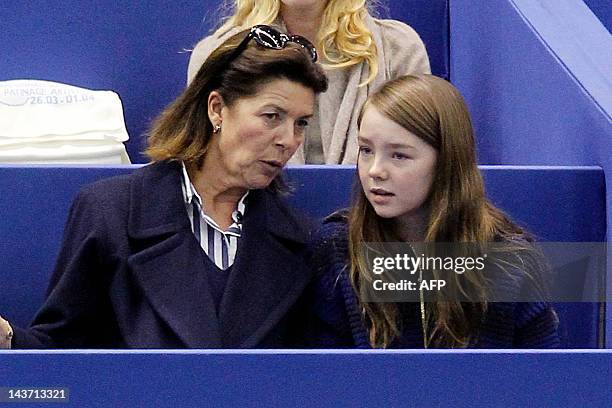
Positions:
(558, 204)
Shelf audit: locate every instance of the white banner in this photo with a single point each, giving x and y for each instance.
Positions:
(43, 121)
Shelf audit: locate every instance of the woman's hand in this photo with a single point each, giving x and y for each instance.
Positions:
(6, 334)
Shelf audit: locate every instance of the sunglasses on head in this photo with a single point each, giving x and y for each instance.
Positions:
(269, 37)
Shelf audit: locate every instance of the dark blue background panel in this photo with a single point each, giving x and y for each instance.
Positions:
(563, 204)
(430, 19)
(603, 10)
(318, 379)
(554, 203)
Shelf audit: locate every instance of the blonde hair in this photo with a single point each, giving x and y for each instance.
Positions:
(344, 39)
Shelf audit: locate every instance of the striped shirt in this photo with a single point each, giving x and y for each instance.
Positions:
(219, 245)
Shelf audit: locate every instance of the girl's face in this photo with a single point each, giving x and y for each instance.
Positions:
(396, 168)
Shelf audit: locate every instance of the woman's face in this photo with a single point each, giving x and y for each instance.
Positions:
(258, 133)
(396, 168)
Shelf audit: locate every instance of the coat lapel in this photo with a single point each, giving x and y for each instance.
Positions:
(167, 260)
(269, 273)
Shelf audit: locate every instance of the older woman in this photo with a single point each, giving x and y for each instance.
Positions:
(359, 52)
(197, 249)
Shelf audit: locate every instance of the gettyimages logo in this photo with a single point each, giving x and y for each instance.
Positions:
(413, 263)
(499, 272)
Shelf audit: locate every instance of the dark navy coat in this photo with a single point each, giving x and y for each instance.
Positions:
(131, 274)
(336, 319)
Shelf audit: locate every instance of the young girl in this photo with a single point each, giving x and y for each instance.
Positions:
(420, 183)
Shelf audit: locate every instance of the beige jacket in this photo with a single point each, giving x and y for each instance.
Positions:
(400, 52)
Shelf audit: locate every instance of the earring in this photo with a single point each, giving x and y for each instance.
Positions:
(216, 128)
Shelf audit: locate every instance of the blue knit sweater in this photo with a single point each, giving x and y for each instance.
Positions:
(337, 322)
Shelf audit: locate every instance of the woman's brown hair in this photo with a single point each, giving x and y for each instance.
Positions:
(433, 110)
(183, 130)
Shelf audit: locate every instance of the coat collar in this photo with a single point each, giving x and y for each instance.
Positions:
(157, 216)
(269, 273)
(156, 204)
(267, 277)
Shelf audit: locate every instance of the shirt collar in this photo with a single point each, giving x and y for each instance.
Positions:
(190, 193)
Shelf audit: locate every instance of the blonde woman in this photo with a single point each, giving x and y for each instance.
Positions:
(419, 183)
(359, 53)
